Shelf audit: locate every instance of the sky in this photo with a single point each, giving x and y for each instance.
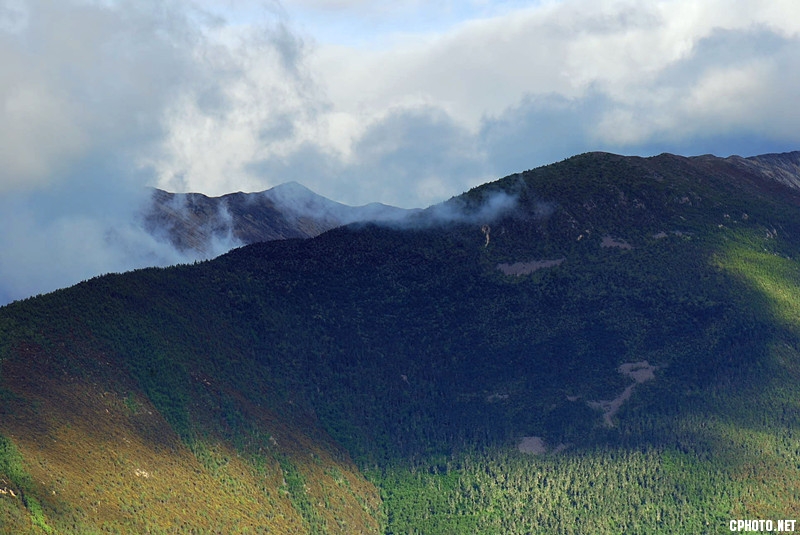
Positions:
(407, 102)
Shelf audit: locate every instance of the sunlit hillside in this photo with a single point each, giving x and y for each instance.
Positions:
(602, 345)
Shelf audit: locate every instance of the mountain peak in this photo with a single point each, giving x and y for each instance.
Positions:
(211, 225)
(292, 188)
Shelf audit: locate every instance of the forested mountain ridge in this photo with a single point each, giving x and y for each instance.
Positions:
(607, 344)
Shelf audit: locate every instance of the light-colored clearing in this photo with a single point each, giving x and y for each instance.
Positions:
(537, 446)
(525, 268)
(639, 372)
(661, 235)
(533, 445)
(608, 241)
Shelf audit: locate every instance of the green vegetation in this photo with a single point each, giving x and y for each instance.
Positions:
(295, 486)
(262, 373)
(604, 491)
(11, 466)
(17, 482)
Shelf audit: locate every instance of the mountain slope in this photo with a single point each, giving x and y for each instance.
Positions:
(193, 221)
(783, 168)
(606, 344)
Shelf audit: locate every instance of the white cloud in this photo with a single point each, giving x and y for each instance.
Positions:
(245, 92)
(486, 66)
(39, 132)
(47, 245)
(79, 80)
(290, 98)
(82, 97)
(13, 16)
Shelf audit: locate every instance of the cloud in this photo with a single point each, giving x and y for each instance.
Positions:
(418, 152)
(80, 80)
(46, 245)
(574, 50)
(519, 87)
(260, 102)
(85, 90)
(543, 128)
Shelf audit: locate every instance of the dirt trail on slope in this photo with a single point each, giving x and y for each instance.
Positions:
(639, 372)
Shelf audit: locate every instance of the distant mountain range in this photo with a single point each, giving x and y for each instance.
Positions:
(606, 345)
(199, 223)
(193, 221)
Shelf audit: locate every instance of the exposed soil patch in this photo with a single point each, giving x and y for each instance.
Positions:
(661, 235)
(537, 446)
(609, 241)
(525, 268)
(533, 445)
(639, 372)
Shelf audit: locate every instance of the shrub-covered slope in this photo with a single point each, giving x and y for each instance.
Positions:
(613, 349)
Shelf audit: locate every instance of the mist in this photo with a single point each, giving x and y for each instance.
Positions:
(50, 242)
(84, 97)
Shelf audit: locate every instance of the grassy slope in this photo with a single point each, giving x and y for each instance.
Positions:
(412, 350)
(113, 433)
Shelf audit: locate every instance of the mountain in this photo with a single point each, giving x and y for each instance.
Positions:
(606, 344)
(783, 168)
(193, 221)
